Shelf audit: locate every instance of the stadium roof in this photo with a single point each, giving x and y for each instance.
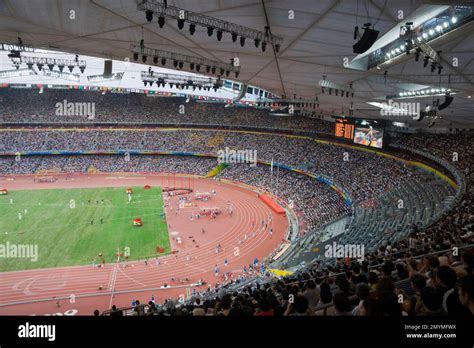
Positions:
(315, 43)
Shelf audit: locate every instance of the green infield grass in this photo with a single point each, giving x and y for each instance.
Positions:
(66, 226)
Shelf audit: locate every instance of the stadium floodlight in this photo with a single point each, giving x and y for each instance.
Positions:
(162, 9)
(40, 62)
(181, 80)
(180, 59)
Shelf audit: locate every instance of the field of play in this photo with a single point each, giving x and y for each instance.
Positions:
(74, 226)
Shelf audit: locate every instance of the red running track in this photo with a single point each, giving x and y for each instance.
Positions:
(49, 291)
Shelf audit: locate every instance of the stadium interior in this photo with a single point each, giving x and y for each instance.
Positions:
(345, 127)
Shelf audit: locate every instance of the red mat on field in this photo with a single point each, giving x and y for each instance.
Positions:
(272, 204)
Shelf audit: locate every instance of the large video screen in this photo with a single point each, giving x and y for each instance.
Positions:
(368, 134)
(360, 131)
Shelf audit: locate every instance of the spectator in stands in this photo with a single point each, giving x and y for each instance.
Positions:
(264, 308)
(312, 294)
(445, 281)
(362, 292)
(299, 307)
(341, 304)
(432, 299)
(466, 292)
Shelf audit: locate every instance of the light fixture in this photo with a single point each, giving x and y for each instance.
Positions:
(149, 16)
(181, 64)
(155, 60)
(431, 32)
(135, 56)
(163, 61)
(439, 28)
(144, 58)
(210, 30)
(219, 35)
(445, 24)
(257, 42)
(439, 69)
(180, 24)
(242, 41)
(454, 20)
(234, 37)
(425, 61)
(264, 46)
(192, 29)
(417, 54)
(161, 21)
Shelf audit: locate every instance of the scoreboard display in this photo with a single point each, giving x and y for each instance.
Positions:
(363, 132)
(344, 128)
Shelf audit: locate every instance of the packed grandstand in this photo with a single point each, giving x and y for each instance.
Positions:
(409, 219)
